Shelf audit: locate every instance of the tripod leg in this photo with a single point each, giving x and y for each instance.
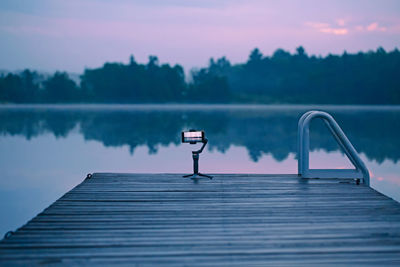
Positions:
(193, 176)
(204, 175)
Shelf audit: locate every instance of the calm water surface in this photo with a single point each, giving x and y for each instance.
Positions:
(47, 150)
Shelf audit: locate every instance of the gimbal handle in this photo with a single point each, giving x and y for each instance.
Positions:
(205, 141)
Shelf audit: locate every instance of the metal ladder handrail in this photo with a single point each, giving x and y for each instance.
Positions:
(360, 170)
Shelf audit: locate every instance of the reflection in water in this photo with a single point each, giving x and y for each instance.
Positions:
(259, 130)
(45, 151)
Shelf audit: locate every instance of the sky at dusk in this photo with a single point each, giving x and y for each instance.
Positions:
(72, 35)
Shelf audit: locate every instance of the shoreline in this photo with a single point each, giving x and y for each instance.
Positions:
(186, 106)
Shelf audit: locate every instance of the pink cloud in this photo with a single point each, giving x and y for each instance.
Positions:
(340, 29)
(336, 31)
(326, 28)
(359, 28)
(372, 26)
(375, 27)
(341, 22)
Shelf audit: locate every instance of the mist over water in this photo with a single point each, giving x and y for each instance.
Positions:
(46, 150)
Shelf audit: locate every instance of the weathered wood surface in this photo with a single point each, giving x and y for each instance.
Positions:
(149, 219)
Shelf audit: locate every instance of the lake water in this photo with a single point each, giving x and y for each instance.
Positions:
(47, 150)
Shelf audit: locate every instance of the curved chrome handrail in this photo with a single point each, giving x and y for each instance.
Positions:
(360, 171)
(300, 138)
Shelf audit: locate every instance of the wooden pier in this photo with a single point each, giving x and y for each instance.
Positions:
(234, 220)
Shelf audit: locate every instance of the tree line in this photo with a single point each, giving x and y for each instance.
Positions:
(363, 78)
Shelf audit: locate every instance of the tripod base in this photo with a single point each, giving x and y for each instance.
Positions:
(197, 176)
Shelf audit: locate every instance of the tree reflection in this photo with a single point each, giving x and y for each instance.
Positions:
(374, 133)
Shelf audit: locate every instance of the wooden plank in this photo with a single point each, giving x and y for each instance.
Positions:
(234, 219)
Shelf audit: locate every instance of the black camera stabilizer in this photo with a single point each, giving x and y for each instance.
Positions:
(196, 155)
